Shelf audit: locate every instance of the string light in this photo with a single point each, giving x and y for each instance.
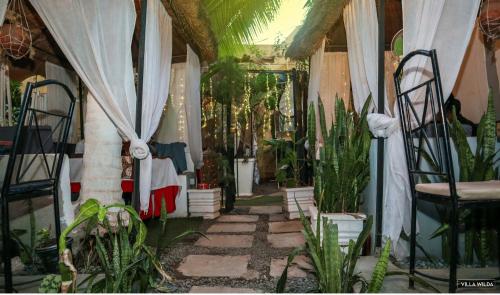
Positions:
(288, 111)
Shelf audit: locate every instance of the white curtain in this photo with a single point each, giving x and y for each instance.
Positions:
(444, 25)
(335, 82)
(471, 88)
(314, 84)
(173, 125)
(3, 10)
(157, 63)
(361, 25)
(96, 38)
(193, 107)
(5, 98)
(57, 99)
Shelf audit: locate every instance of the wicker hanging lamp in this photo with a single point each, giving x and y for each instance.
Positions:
(15, 36)
(489, 19)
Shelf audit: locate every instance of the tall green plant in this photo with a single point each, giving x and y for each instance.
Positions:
(473, 166)
(334, 268)
(342, 172)
(288, 172)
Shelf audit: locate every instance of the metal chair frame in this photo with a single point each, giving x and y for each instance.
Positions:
(14, 187)
(416, 140)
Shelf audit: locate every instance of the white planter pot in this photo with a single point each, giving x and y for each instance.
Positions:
(243, 170)
(350, 225)
(303, 195)
(204, 203)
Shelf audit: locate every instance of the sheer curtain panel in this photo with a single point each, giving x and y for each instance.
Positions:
(193, 107)
(96, 38)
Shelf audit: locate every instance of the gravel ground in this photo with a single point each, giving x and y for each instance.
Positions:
(437, 263)
(261, 253)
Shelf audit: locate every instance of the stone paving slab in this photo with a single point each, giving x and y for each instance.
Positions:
(285, 226)
(232, 228)
(204, 289)
(225, 241)
(265, 210)
(214, 266)
(297, 270)
(277, 217)
(238, 218)
(286, 240)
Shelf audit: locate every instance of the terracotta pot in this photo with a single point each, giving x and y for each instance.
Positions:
(489, 18)
(15, 40)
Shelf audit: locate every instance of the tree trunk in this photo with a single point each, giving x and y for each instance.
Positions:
(102, 161)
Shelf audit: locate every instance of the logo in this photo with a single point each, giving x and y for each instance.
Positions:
(488, 283)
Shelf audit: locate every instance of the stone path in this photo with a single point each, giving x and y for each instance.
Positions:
(242, 253)
(246, 252)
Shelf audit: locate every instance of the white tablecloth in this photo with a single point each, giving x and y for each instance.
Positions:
(163, 175)
(36, 171)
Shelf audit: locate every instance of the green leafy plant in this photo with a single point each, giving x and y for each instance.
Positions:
(334, 268)
(473, 166)
(288, 172)
(44, 237)
(224, 173)
(125, 262)
(27, 251)
(342, 172)
(50, 284)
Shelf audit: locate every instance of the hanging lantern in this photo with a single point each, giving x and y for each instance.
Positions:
(489, 19)
(15, 36)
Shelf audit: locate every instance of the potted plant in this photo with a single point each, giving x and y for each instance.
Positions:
(342, 172)
(46, 250)
(288, 175)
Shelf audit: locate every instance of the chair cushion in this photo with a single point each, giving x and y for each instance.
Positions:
(477, 190)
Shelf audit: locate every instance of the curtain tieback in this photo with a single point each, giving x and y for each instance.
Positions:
(382, 125)
(139, 149)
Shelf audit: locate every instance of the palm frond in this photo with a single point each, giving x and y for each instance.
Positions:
(236, 22)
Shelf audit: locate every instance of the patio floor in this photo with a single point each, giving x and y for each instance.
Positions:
(250, 260)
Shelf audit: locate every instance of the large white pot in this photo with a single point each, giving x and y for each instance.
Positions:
(350, 225)
(303, 195)
(204, 202)
(243, 171)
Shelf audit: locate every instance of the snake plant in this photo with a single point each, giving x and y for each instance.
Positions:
(334, 268)
(342, 172)
(473, 166)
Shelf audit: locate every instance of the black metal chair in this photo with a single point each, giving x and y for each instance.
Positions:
(426, 139)
(20, 183)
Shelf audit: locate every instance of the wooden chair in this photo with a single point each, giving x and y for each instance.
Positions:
(19, 182)
(426, 138)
